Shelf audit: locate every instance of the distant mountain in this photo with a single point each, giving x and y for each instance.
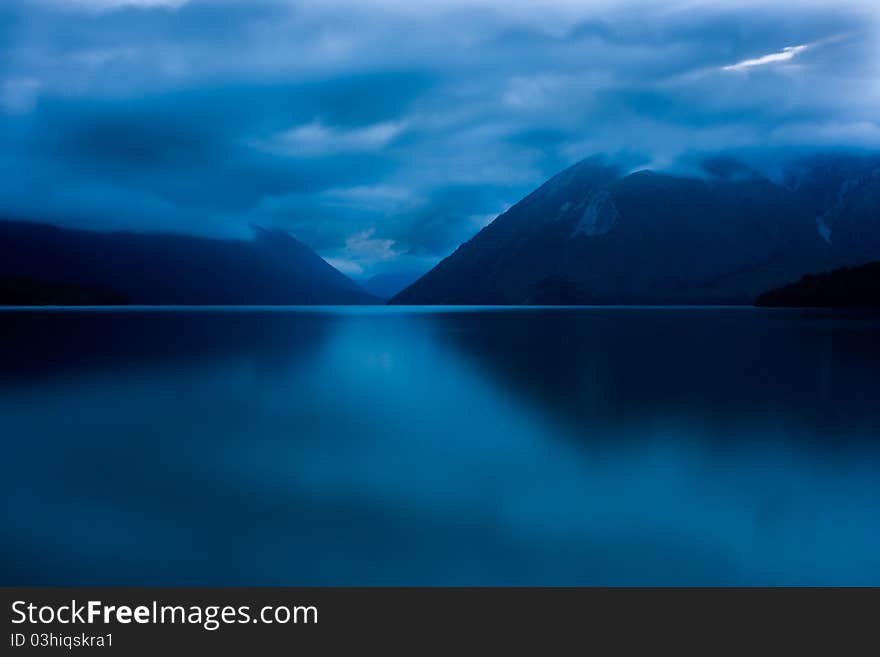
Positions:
(151, 268)
(593, 235)
(386, 286)
(857, 287)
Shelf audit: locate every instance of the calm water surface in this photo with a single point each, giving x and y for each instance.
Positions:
(417, 446)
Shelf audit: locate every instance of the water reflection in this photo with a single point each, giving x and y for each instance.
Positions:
(418, 447)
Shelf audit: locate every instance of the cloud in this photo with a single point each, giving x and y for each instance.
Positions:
(786, 54)
(384, 131)
(118, 4)
(19, 95)
(864, 133)
(315, 138)
(363, 246)
(346, 266)
(362, 251)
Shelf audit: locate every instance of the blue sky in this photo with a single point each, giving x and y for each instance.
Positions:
(383, 133)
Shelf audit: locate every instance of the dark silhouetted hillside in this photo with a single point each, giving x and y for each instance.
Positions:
(149, 268)
(29, 292)
(855, 287)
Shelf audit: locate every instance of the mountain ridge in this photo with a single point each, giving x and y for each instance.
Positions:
(593, 234)
(272, 268)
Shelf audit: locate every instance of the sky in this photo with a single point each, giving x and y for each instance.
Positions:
(383, 133)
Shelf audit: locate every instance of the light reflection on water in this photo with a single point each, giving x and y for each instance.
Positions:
(415, 446)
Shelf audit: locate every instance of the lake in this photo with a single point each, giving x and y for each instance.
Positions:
(418, 446)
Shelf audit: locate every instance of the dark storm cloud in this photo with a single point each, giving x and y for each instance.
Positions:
(389, 131)
(203, 149)
(450, 216)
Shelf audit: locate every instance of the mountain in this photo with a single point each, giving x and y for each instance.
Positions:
(272, 268)
(595, 235)
(857, 287)
(386, 286)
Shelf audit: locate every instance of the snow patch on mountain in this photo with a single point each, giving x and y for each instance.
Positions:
(599, 217)
(824, 229)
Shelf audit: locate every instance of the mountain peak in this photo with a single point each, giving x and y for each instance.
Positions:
(652, 237)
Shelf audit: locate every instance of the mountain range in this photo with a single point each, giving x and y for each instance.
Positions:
(596, 234)
(42, 263)
(592, 234)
